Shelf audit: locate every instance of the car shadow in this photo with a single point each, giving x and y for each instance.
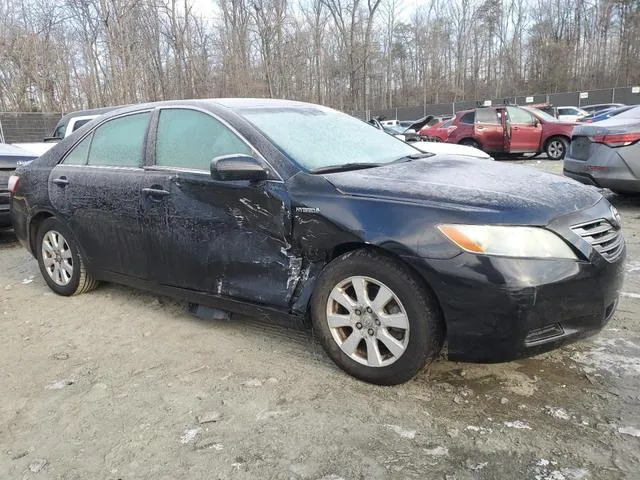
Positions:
(7, 239)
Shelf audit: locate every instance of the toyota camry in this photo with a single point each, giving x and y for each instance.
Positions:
(296, 210)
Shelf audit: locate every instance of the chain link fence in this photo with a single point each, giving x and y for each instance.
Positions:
(626, 95)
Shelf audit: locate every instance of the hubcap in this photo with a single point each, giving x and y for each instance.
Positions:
(368, 321)
(57, 259)
(555, 149)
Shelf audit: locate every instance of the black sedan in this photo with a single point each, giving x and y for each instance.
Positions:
(10, 158)
(287, 208)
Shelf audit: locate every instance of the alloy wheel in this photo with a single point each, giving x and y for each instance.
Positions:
(57, 258)
(555, 149)
(368, 321)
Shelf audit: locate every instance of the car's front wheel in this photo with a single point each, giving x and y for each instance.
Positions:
(375, 318)
(556, 148)
(60, 261)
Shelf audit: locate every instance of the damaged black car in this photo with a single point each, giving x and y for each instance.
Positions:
(296, 210)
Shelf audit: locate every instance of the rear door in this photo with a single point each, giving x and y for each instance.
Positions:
(228, 238)
(488, 130)
(524, 131)
(96, 189)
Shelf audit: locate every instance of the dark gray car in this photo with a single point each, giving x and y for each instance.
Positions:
(607, 154)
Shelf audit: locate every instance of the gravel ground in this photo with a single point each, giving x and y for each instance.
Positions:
(119, 384)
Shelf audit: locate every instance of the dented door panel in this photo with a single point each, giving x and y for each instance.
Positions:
(228, 238)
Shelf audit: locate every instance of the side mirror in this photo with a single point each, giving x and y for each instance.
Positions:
(237, 167)
(536, 122)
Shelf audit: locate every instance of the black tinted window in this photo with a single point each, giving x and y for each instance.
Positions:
(468, 118)
(80, 123)
(487, 115)
(191, 139)
(119, 142)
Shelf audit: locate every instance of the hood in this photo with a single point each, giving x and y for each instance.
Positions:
(37, 148)
(418, 124)
(450, 148)
(489, 191)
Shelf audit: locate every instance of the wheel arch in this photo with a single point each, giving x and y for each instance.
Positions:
(32, 230)
(392, 251)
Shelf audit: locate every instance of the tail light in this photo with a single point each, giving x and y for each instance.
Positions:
(12, 186)
(617, 139)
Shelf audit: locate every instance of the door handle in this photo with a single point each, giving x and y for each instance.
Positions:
(516, 128)
(479, 127)
(61, 181)
(158, 193)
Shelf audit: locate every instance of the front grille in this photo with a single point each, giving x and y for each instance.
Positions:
(4, 179)
(580, 148)
(605, 239)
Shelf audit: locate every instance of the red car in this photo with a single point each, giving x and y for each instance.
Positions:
(511, 129)
(438, 132)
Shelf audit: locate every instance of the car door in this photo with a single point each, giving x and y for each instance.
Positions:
(96, 190)
(488, 130)
(525, 131)
(230, 238)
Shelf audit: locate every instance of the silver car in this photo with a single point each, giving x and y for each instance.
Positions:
(606, 154)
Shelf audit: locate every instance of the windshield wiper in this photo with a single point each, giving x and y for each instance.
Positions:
(345, 167)
(413, 156)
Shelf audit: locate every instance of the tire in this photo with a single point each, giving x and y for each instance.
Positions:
(411, 304)
(470, 142)
(56, 246)
(556, 148)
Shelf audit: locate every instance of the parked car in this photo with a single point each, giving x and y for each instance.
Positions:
(606, 154)
(406, 132)
(511, 129)
(605, 114)
(600, 107)
(10, 158)
(66, 126)
(438, 132)
(428, 146)
(73, 121)
(389, 250)
(570, 114)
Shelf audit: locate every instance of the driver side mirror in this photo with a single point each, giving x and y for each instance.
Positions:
(237, 167)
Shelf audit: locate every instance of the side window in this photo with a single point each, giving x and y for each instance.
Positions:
(518, 115)
(78, 155)
(119, 142)
(80, 123)
(191, 139)
(487, 116)
(468, 118)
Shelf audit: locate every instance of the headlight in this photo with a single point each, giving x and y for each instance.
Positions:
(532, 242)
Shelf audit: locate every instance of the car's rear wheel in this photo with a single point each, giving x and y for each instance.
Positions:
(60, 260)
(469, 142)
(556, 148)
(375, 318)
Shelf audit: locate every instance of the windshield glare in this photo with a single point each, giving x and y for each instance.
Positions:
(541, 115)
(316, 137)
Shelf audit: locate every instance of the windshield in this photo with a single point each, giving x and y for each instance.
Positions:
(315, 137)
(541, 115)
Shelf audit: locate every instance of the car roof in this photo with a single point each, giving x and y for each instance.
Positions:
(83, 113)
(13, 151)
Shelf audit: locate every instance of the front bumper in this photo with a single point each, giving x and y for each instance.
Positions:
(500, 309)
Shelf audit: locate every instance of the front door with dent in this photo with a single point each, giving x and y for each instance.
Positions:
(227, 238)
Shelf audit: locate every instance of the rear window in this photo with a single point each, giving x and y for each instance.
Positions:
(468, 118)
(119, 142)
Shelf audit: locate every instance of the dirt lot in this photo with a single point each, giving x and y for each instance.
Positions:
(113, 384)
